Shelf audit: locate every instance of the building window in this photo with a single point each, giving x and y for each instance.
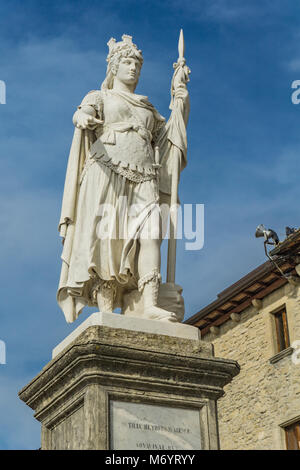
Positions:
(292, 435)
(282, 331)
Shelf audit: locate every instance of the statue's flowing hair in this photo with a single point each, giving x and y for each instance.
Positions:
(113, 60)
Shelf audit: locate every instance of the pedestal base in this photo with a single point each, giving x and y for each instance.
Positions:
(118, 388)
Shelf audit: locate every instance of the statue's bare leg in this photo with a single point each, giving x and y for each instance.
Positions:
(149, 275)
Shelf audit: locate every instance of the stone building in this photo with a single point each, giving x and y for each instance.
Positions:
(256, 321)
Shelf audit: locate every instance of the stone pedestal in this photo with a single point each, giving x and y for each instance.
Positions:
(118, 383)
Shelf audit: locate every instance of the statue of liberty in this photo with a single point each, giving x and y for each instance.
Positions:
(120, 171)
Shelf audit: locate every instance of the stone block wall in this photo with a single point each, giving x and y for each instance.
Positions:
(264, 396)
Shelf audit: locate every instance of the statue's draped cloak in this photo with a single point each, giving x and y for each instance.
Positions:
(131, 124)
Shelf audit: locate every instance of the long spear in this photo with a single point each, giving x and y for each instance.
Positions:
(180, 78)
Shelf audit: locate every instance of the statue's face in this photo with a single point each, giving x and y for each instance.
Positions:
(129, 70)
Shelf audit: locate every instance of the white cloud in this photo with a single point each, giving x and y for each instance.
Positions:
(294, 65)
(226, 11)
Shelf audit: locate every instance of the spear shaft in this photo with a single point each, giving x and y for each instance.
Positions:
(177, 106)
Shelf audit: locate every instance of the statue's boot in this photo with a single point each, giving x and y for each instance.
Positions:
(151, 310)
(105, 296)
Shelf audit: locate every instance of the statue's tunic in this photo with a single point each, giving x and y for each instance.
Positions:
(117, 201)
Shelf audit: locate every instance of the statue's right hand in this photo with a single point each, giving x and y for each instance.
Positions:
(83, 120)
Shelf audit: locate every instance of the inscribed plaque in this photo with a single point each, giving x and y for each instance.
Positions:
(138, 426)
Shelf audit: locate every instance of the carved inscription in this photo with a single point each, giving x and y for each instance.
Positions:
(153, 427)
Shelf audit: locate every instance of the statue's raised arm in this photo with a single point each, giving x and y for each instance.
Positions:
(179, 94)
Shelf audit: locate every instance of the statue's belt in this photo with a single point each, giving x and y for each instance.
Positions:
(109, 130)
(131, 171)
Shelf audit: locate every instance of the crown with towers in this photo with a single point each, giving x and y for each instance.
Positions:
(126, 44)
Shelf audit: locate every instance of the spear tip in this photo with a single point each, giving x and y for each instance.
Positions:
(181, 45)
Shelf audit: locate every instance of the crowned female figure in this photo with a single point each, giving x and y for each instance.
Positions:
(111, 219)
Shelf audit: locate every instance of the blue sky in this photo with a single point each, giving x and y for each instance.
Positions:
(244, 147)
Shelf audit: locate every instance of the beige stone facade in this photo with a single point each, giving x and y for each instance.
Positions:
(256, 322)
(265, 396)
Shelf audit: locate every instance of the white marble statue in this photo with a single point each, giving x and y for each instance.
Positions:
(119, 172)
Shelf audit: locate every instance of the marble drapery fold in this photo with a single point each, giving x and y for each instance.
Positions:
(79, 210)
